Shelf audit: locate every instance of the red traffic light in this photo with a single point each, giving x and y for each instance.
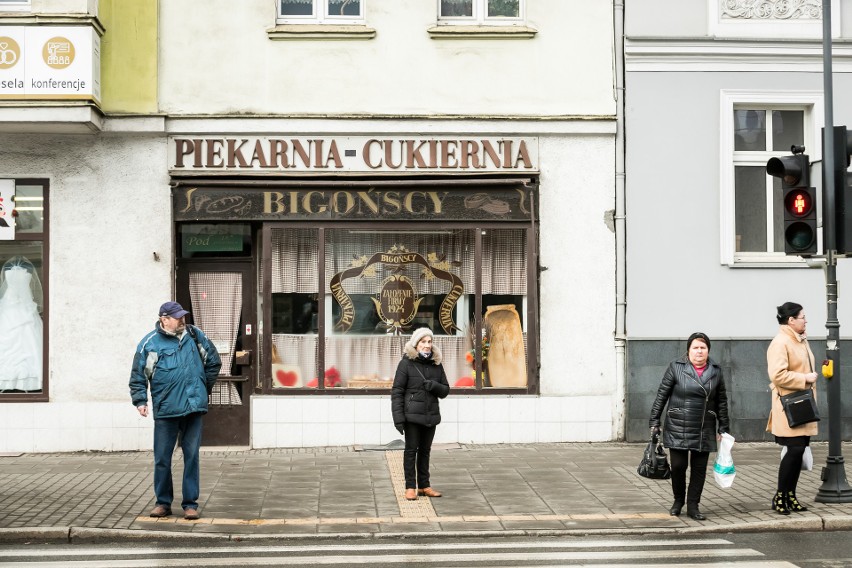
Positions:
(798, 203)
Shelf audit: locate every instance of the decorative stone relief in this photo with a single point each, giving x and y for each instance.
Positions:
(771, 9)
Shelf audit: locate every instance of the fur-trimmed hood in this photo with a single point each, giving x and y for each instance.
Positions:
(411, 352)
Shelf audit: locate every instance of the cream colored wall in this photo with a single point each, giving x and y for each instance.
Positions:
(65, 7)
(229, 64)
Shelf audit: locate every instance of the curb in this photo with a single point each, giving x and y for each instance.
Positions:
(82, 535)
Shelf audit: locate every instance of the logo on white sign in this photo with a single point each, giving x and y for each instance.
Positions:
(9, 52)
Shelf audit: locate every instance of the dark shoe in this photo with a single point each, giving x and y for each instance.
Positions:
(693, 513)
(411, 494)
(676, 508)
(793, 503)
(160, 511)
(779, 504)
(429, 492)
(191, 514)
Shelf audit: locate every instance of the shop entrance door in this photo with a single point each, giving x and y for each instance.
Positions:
(218, 296)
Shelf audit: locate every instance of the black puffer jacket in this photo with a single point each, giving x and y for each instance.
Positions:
(410, 400)
(695, 406)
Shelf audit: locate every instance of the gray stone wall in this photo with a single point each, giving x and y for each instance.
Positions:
(744, 366)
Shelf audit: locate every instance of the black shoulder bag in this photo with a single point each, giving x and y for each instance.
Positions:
(655, 462)
(800, 406)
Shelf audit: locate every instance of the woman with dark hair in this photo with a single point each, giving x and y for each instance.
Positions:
(697, 415)
(790, 364)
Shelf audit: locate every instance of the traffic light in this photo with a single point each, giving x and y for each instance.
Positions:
(798, 200)
(842, 192)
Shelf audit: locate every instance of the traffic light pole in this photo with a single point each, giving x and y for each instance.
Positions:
(834, 487)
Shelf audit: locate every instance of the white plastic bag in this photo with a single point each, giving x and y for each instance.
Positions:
(723, 469)
(807, 458)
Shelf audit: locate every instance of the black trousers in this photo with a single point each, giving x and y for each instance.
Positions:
(415, 459)
(791, 463)
(697, 462)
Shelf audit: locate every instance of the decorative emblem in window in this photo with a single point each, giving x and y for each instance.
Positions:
(397, 301)
(772, 9)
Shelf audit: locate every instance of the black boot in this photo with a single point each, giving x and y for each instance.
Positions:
(676, 507)
(779, 504)
(793, 503)
(693, 513)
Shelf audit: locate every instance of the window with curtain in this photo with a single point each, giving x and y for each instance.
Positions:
(379, 286)
(321, 11)
(23, 279)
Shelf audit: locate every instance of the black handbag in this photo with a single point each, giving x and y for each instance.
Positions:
(655, 462)
(800, 407)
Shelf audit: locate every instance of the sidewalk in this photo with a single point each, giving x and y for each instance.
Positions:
(516, 489)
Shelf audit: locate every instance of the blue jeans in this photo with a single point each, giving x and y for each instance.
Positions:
(165, 437)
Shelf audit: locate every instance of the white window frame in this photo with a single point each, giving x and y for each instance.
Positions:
(479, 16)
(320, 15)
(811, 102)
(15, 5)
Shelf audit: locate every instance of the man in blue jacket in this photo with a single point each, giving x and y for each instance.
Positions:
(181, 365)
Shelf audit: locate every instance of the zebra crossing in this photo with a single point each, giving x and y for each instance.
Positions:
(539, 552)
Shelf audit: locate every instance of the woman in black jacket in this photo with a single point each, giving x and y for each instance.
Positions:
(697, 415)
(419, 382)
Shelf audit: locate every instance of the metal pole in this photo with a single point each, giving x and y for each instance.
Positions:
(834, 487)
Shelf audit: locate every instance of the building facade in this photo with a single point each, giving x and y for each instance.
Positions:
(314, 179)
(716, 88)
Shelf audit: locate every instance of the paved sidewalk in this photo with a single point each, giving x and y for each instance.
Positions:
(515, 489)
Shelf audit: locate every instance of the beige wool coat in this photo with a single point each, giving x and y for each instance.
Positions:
(788, 359)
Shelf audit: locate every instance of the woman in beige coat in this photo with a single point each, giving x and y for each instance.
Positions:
(791, 368)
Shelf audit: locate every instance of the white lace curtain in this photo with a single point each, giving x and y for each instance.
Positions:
(504, 262)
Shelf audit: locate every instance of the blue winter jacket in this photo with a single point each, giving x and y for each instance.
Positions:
(181, 372)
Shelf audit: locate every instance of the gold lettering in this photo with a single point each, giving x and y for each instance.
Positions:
(272, 202)
(409, 201)
(368, 200)
(294, 202)
(349, 200)
(391, 198)
(446, 311)
(437, 200)
(347, 314)
(307, 206)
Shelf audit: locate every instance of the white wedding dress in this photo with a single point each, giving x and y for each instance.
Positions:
(20, 333)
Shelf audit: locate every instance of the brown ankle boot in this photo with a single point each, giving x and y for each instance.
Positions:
(429, 492)
(411, 494)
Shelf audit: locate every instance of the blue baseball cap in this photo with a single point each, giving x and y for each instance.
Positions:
(172, 309)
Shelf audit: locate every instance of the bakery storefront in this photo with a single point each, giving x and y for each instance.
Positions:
(308, 261)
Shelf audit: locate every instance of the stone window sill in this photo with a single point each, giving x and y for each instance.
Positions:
(481, 32)
(319, 31)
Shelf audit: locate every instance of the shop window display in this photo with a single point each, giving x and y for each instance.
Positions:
(22, 296)
(379, 286)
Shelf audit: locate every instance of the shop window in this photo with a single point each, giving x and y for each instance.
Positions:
(23, 294)
(380, 285)
(753, 132)
(499, 12)
(321, 11)
(214, 240)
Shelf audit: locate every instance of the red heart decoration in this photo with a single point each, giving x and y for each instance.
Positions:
(286, 378)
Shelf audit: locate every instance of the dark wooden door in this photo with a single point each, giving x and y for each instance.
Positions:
(219, 297)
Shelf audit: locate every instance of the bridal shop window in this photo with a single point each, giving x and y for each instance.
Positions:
(345, 299)
(23, 278)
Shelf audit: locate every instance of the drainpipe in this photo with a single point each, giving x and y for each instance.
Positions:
(619, 410)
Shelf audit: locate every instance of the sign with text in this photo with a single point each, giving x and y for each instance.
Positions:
(414, 154)
(354, 204)
(50, 62)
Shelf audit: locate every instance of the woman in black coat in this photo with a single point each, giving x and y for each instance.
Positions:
(419, 382)
(697, 415)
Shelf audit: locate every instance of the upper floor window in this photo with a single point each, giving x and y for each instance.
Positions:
(757, 127)
(481, 11)
(321, 11)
